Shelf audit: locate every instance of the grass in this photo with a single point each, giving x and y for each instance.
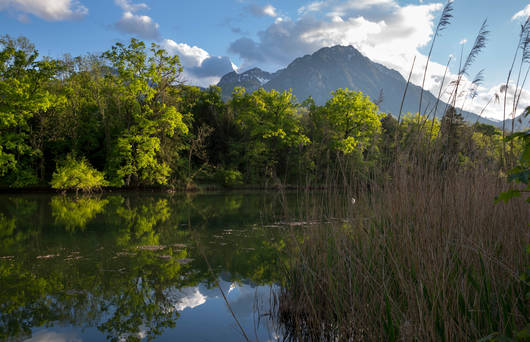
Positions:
(435, 259)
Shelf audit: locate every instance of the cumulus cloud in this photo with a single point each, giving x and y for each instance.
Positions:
(383, 30)
(337, 7)
(270, 11)
(200, 68)
(495, 109)
(262, 11)
(248, 49)
(213, 66)
(51, 10)
(138, 25)
(524, 13)
(190, 56)
(127, 6)
(379, 27)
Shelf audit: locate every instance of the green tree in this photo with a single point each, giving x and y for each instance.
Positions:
(344, 132)
(142, 81)
(271, 129)
(23, 80)
(352, 120)
(82, 124)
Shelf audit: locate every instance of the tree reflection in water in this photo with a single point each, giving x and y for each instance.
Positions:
(128, 264)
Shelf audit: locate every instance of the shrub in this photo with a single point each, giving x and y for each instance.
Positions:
(77, 174)
(228, 178)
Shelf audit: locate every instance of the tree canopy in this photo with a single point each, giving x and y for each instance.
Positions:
(127, 119)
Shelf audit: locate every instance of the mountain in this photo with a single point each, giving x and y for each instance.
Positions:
(251, 80)
(330, 68)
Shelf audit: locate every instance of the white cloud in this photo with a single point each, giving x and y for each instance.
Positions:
(382, 30)
(200, 68)
(127, 6)
(142, 26)
(139, 25)
(51, 10)
(270, 11)
(524, 13)
(336, 7)
(312, 7)
(190, 56)
(260, 11)
(495, 109)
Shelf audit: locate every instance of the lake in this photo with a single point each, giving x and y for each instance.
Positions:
(141, 265)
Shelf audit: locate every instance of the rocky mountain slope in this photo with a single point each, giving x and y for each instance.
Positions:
(330, 68)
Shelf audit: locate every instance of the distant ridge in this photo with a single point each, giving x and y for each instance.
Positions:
(251, 80)
(330, 68)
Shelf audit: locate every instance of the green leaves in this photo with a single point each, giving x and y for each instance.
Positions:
(142, 81)
(506, 196)
(520, 173)
(271, 127)
(22, 85)
(138, 157)
(352, 120)
(77, 174)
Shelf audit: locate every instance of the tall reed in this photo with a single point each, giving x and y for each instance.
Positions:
(422, 256)
(523, 34)
(443, 22)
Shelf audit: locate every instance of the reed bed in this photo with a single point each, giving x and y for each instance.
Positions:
(423, 256)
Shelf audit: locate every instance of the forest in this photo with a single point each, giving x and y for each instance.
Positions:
(125, 118)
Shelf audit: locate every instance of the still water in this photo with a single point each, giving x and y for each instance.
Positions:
(140, 266)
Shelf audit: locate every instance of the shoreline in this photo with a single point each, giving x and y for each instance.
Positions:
(204, 188)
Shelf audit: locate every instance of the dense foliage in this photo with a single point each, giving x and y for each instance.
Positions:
(77, 175)
(127, 114)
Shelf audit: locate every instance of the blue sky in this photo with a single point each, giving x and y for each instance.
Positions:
(213, 37)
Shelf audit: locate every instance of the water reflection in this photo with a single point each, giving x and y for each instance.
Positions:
(136, 266)
(75, 213)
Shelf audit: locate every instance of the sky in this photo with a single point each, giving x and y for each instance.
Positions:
(213, 37)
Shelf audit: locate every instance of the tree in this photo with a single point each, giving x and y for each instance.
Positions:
(452, 132)
(271, 131)
(352, 120)
(142, 83)
(82, 125)
(23, 92)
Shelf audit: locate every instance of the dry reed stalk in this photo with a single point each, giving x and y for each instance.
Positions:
(427, 259)
(405, 91)
(443, 22)
(524, 30)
